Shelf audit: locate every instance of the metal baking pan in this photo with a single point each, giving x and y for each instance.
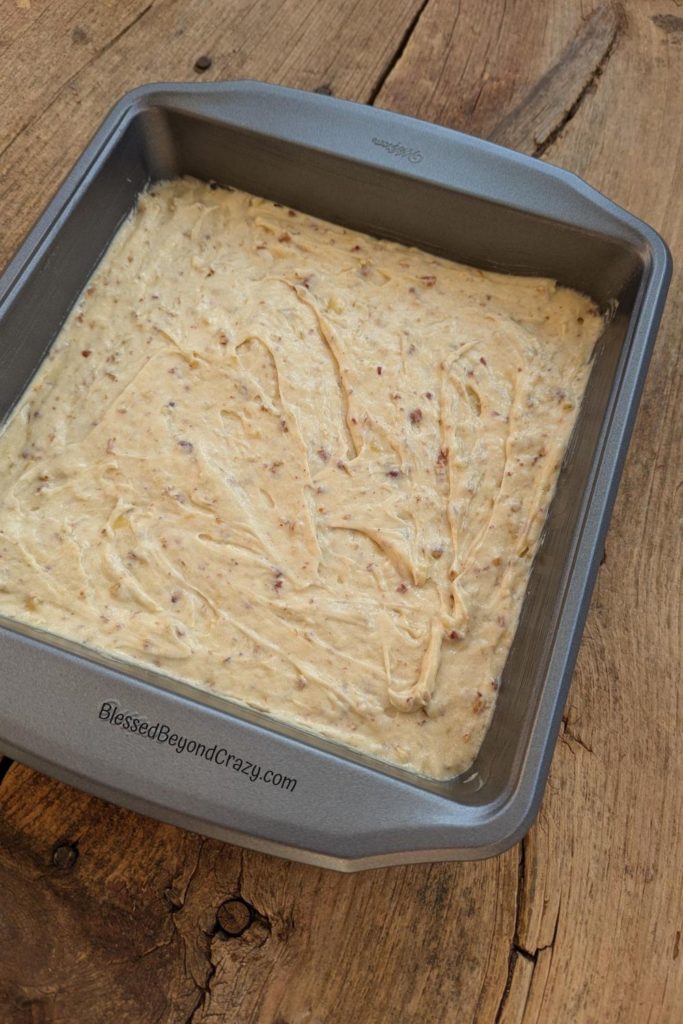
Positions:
(63, 709)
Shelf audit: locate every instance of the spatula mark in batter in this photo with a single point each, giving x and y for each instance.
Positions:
(329, 338)
(419, 695)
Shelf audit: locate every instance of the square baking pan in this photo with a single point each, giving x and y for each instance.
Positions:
(164, 748)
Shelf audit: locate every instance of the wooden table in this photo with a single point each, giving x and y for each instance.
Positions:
(109, 917)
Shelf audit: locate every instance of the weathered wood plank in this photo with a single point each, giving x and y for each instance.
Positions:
(87, 921)
(52, 49)
(470, 64)
(598, 931)
(345, 45)
(609, 854)
(133, 911)
(18, 18)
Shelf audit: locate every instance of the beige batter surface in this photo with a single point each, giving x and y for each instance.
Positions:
(297, 466)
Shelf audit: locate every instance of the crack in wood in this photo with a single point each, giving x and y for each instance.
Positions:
(569, 737)
(137, 958)
(521, 951)
(124, 31)
(175, 907)
(400, 50)
(541, 117)
(200, 850)
(204, 991)
(515, 946)
(217, 937)
(517, 949)
(532, 955)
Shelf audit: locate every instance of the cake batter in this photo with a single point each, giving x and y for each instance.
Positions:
(297, 466)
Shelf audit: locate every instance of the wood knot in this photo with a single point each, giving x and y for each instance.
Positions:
(234, 917)
(64, 856)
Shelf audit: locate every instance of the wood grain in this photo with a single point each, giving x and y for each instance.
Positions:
(615, 956)
(540, 116)
(106, 916)
(94, 27)
(468, 65)
(600, 900)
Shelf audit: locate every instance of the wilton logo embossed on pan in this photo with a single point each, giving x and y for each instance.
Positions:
(414, 156)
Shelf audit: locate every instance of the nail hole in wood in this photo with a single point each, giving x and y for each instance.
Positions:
(64, 856)
(234, 917)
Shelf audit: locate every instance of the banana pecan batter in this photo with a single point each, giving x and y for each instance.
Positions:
(295, 465)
